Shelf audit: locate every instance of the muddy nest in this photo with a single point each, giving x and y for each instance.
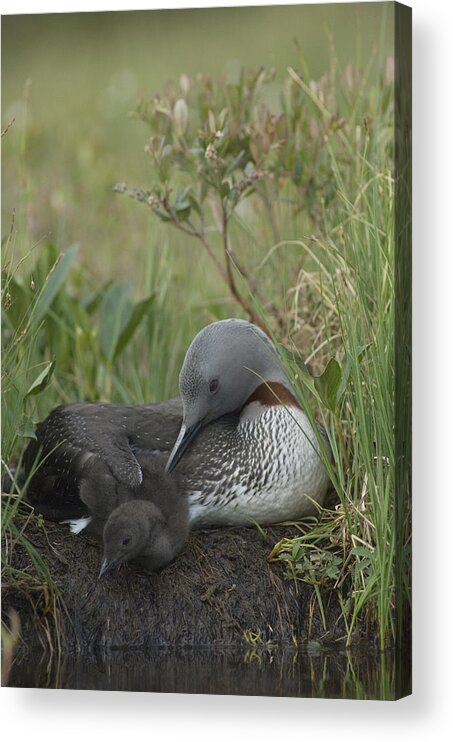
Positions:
(218, 589)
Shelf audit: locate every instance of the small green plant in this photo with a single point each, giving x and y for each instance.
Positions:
(260, 648)
(60, 317)
(213, 145)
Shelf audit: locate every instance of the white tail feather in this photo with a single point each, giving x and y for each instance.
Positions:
(77, 525)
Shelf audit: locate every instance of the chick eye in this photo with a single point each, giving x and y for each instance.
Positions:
(126, 541)
(213, 386)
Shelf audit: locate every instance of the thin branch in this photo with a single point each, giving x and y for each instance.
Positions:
(201, 236)
(8, 126)
(229, 259)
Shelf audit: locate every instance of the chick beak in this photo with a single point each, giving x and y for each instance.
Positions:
(106, 567)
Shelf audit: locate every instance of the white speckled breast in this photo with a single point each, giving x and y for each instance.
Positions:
(266, 467)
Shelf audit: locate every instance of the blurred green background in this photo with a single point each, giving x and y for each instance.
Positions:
(69, 81)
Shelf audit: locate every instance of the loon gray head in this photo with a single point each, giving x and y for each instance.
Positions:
(223, 366)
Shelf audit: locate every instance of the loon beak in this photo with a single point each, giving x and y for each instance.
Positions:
(106, 567)
(185, 437)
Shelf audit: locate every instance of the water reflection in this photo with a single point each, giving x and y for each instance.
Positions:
(314, 672)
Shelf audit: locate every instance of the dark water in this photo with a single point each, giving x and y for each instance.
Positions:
(311, 672)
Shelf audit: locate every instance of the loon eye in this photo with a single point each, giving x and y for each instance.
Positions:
(126, 541)
(213, 386)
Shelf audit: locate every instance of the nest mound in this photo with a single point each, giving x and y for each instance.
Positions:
(218, 589)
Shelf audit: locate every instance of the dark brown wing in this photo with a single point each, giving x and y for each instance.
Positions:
(74, 434)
